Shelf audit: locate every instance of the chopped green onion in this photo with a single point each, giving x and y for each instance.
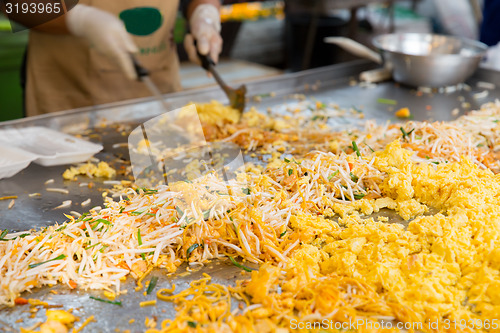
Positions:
(82, 217)
(20, 236)
(387, 101)
(358, 196)
(354, 178)
(91, 246)
(139, 240)
(370, 148)
(146, 190)
(317, 118)
(283, 234)
(355, 148)
(191, 249)
(121, 209)
(243, 267)
(139, 213)
(152, 284)
(103, 221)
(290, 171)
(3, 234)
(405, 135)
(246, 191)
(333, 175)
(192, 324)
(93, 226)
(61, 228)
(106, 301)
(287, 160)
(356, 109)
(59, 257)
(264, 95)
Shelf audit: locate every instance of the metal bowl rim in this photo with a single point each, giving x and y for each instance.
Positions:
(480, 46)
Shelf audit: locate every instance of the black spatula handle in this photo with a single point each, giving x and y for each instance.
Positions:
(206, 60)
(141, 71)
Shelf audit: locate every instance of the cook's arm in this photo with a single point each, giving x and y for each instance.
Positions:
(103, 31)
(55, 26)
(204, 24)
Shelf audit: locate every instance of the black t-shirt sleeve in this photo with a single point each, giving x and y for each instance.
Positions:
(183, 6)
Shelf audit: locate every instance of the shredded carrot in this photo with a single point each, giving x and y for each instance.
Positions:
(20, 301)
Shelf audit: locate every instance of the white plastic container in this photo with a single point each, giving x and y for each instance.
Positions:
(44, 146)
(13, 160)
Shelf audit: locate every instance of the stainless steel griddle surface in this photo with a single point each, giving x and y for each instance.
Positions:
(328, 84)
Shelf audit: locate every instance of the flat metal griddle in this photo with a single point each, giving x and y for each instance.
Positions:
(328, 84)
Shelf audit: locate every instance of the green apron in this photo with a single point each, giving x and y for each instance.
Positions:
(64, 72)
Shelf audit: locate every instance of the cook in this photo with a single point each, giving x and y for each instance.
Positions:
(83, 57)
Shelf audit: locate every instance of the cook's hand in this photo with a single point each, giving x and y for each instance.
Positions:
(106, 33)
(204, 24)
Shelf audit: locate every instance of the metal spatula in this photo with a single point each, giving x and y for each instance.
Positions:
(236, 96)
(143, 75)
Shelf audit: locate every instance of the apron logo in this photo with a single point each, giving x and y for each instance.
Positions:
(142, 21)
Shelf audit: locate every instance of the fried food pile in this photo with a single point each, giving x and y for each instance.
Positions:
(306, 220)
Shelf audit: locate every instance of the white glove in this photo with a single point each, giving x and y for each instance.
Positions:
(106, 33)
(204, 24)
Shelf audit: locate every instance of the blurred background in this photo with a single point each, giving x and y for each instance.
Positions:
(266, 38)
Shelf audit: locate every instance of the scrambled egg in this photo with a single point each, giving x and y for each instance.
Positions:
(443, 266)
(91, 170)
(254, 118)
(58, 321)
(216, 113)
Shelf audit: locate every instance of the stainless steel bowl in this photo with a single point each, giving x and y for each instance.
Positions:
(429, 60)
